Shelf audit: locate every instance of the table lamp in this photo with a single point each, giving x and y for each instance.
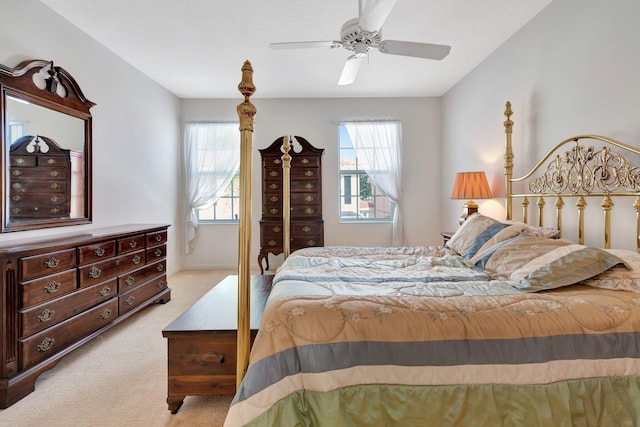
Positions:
(470, 185)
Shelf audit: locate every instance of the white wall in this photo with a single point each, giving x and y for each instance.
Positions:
(316, 120)
(136, 126)
(573, 69)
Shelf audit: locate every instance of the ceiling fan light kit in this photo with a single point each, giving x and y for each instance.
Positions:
(361, 34)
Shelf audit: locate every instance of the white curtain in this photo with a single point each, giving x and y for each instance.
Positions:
(212, 158)
(378, 147)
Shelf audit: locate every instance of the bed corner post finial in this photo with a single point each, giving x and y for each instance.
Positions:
(508, 159)
(246, 112)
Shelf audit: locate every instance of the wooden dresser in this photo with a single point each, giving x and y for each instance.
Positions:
(60, 292)
(307, 224)
(40, 179)
(202, 341)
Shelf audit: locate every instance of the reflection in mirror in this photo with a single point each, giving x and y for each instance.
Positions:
(46, 150)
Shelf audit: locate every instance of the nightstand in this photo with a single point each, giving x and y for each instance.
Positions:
(446, 235)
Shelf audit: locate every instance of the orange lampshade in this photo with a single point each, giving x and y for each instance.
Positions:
(471, 185)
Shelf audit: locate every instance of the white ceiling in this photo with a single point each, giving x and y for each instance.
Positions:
(195, 48)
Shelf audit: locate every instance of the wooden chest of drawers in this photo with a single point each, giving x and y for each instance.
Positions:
(40, 184)
(202, 341)
(307, 224)
(59, 293)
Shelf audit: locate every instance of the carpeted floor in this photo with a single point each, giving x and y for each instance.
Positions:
(120, 377)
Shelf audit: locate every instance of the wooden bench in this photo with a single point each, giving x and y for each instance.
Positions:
(202, 341)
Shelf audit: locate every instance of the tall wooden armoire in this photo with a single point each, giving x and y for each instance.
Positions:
(307, 224)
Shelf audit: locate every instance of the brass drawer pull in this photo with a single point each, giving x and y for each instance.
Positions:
(105, 291)
(158, 238)
(160, 267)
(133, 244)
(51, 161)
(46, 315)
(309, 210)
(277, 229)
(129, 280)
(54, 199)
(136, 259)
(274, 186)
(274, 198)
(52, 263)
(55, 173)
(46, 344)
(99, 252)
(105, 313)
(16, 210)
(160, 284)
(16, 198)
(308, 198)
(55, 186)
(311, 242)
(306, 229)
(157, 252)
(304, 161)
(273, 173)
(52, 287)
(308, 186)
(16, 172)
(309, 173)
(94, 273)
(272, 243)
(211, 357)
(17, 185)
(55, 211)
(274, 211)
(129, 300)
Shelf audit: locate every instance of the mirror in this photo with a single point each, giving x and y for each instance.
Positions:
(46, 150)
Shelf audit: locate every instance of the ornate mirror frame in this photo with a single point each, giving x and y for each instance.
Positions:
(29, 161)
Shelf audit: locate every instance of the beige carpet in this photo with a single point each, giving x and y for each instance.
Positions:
(120, 377)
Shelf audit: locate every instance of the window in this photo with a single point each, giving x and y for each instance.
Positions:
(212, 162)
(364, 171)
(16, 130)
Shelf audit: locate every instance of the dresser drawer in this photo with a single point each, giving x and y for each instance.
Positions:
(270, 186)
(57, 338)
(306, 241)
(53, 312)
(305, 161)
(298, 185)
(110, 268)
(46, 288)
(157, 238)
(304, 211)
(38, 173)
(22, 161)
(156, 252)
(307, 198)
(50, 263)
(305, 174)
(96, 252)
(137, 277)
(130, 300)
(34, 186)
(130, 244)
(306, 228)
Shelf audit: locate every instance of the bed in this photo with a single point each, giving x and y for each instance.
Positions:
(508, 324)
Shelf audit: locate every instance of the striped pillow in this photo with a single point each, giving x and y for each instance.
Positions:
(479, 232)
(534, 263)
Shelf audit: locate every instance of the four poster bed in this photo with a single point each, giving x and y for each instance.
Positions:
(506, 324)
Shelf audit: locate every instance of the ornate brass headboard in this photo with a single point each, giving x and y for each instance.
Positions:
(591, 166)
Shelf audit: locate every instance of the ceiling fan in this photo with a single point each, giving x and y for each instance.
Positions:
(363, 33)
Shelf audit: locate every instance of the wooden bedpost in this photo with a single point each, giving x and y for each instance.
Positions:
(508, 159)
(246, 111)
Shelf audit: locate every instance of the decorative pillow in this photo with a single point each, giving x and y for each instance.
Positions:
(547, 232)
(506, 257)
(533, 264)
(480, 231)
(620, 277)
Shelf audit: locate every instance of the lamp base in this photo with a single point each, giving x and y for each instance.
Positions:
(470, 208)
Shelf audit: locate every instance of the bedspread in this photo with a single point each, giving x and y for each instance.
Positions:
(402, 336)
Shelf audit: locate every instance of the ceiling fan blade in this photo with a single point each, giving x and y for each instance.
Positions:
(304, 45)
(418, 50)
(350, 70)
(374, 14)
